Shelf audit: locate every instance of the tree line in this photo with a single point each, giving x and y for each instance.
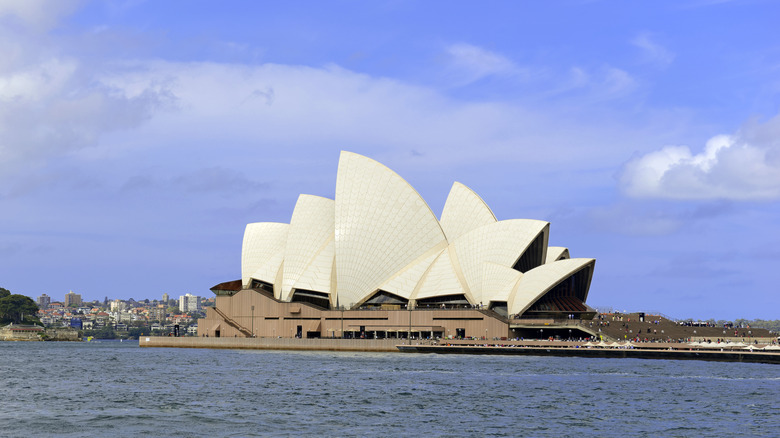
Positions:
(17, 308)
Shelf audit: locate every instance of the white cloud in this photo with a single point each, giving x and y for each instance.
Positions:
(471, 63)
(744, 166)
(653, 52)
(52, 103)
(618, 82)
(38, 15)
(55, 107)
(307, 107)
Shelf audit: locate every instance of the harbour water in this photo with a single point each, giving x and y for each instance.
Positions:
(118, 389)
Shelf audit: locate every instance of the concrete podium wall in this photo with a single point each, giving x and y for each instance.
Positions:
(386, 345)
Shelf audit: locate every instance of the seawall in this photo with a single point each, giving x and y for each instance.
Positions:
(636, 353)
(369, 345)
(519, 348)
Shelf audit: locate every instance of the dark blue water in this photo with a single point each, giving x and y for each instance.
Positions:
(119, 389)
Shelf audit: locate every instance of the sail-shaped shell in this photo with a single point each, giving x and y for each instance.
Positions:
(442, 279)
(406, 280)
(311, 228)
(555, 253)
(318, 274)
(464, 211)
(498, 282)
(503, 243)
(382, 225)
(537, 282)
(262, 251)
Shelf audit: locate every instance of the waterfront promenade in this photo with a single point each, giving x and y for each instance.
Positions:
(367, 345)
(731, 352)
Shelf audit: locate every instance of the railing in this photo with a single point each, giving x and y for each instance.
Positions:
(239, 327)
(563, 324)
(493, 314)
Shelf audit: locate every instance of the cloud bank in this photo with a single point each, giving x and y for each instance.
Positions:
(741, 167)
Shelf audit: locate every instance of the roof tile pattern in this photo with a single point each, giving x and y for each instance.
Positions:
(263, 243)
(464, 211)
(555, 253)
(382, 225)
(317, 276)
(311, 228)
(404, 283)
(538, 281)
(498, 282)
(502, 243)
(441, 279)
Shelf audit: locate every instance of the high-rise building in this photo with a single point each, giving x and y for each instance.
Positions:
(157, 313)
(189, 303)
(165, 299)
(117, 306)
(72, 298)
(44, 301)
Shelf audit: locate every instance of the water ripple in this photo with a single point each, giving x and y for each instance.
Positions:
(74, 390)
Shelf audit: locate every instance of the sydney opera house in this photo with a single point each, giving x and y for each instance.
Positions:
(376, 262)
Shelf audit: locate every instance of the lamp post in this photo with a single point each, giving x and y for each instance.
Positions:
(408, 306)
(253, 321)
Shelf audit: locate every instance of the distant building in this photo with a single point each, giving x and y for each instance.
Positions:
(117, 306)
(44, 301)
(189, 303)
(72, 298)
(157, 313)
(165, 299)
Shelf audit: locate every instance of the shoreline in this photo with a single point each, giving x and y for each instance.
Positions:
(669, 351)
(600, 352)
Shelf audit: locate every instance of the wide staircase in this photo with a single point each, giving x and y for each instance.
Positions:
(493, 314)
(230, 321)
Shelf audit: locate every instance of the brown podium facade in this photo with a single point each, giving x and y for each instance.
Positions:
(254, 313)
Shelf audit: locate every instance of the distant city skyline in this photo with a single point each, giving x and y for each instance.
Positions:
(46, 298)
(137, 139)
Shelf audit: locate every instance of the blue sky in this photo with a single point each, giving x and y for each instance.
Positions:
(137, 138)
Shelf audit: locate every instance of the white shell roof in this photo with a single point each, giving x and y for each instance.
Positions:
(538, 281)
(555, 253)
(464, 211)
(502, 242)
(311, 228)
(407, 279)
(263, 248)
(441, 279)
(498, 282)
(317, 276)
(379, 233)
(382, 225)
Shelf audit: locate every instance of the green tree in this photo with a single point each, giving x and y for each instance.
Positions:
(14, 307)
(4, 292)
